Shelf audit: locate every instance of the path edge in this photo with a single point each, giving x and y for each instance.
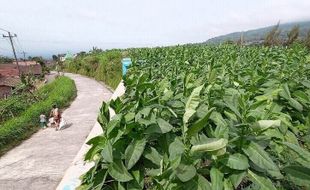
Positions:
(71, 179)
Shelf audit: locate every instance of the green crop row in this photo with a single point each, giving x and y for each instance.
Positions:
(207, 117)
(60, 92)
(103, 66)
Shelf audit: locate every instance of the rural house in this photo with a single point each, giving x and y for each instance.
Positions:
(26, 63)
(7, 84)
(9, 76)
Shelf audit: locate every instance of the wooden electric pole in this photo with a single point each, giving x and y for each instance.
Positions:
(10, 37)
(24, 53)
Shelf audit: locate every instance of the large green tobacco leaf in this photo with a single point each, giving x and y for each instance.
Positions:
(216, 179)
(133, 152)
(118, 171)
(191, 105)
(104, 115)
(107, 152)
(176, 148)
(161, 127)
(97, 143)
(265, 124)
(236, 161)
(298, 174)
(285, 93)
(295, 104)
(262, 181)
(198, 183)
(228, 185)
(164, 126)
(138, 182)
(209, 145)
(237, 177)
(152, 155)
(198, 126)
(99, 179)
(185, 172)
(262, 159)
(302, 153)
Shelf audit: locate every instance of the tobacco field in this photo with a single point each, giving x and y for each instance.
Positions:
(200, 117)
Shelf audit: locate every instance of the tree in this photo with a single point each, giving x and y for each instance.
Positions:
(55, 58)
(272, 38)
(292, 35)
(307, 39)
(4, 60)
(240, 42)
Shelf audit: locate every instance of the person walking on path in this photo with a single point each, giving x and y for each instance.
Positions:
(55, 113)
(42, 121)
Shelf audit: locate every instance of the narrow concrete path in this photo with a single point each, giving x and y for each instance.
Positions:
(41, 161)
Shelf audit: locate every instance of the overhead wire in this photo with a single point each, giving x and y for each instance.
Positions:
(18, 46)
(3, 30)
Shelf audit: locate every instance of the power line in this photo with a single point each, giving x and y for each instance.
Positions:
(11, 40)
(18, 48)
(3, 30)
(4, 49)
(19, 45)
(24, 53)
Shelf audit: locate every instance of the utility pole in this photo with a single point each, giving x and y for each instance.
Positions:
(24, 53)
(10, 37)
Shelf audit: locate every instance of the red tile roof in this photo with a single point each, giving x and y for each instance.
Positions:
(9, 81)
(11, 69)
(31, 69)
(8, 70)
(25, 62)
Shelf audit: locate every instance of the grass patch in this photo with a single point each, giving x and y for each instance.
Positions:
(61, 92)
(103, 66)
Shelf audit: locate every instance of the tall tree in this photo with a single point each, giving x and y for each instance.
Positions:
(292, 35)
(307, 39)
(272, 37)
(240, 42)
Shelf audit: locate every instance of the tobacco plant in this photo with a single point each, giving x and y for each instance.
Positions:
(207, 117)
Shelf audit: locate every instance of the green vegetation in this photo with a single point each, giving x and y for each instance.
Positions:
(258, 35)
(103, 66)
(23, 96)
(272, 37)
(207, 117)
(4, 59)
(25, 121)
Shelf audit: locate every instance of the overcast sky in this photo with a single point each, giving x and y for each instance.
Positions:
(46, 27)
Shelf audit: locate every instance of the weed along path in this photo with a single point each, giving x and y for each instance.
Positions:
(41, 161)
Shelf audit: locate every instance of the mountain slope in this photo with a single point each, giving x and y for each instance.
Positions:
(259, 34)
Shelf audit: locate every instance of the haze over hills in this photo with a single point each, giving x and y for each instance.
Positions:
(260, 33)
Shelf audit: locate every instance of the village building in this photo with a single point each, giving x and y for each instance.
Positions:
(7, 85)
(9, 76)
(25, 63)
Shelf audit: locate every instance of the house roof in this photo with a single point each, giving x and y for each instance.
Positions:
(8, 70)
(9, 81)
(31, 69)
(11, 69)
(25, 62)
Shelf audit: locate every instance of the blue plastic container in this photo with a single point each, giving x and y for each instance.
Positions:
(125, 62)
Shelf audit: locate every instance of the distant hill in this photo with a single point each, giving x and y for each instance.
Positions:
(259, 34)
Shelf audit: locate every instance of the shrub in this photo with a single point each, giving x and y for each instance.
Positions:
(103, 66)
(272, 37)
